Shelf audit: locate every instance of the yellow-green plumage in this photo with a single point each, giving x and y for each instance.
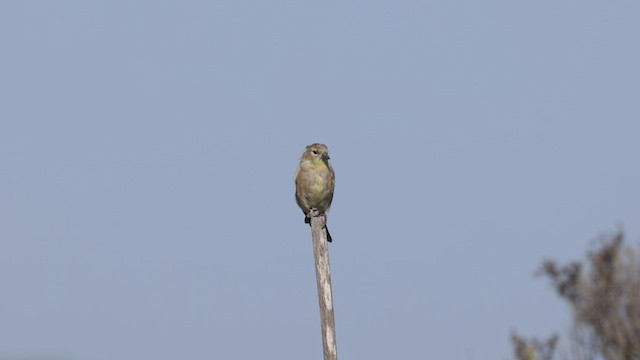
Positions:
(315, 181)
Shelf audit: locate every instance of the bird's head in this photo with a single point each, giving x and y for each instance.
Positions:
(316, 152)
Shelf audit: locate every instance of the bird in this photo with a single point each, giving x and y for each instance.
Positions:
(315, 181)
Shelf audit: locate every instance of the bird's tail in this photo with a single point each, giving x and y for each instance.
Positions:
(329, 239)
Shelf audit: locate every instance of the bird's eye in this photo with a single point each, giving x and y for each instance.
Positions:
(315, 152)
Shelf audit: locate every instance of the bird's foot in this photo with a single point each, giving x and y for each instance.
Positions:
(313, 212)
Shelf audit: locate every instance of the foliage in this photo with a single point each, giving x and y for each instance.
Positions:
(604, 295)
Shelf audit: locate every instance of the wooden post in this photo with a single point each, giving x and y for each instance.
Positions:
(323, 277)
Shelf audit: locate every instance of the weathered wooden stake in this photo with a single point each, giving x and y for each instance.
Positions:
(323, 277)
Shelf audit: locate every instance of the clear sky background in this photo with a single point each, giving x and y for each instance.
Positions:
(148, 148)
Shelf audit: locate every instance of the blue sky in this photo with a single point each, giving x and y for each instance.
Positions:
(148, 152)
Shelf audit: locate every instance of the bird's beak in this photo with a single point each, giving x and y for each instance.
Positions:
(325, 156)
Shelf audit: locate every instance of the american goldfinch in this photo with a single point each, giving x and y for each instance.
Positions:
(315, 181)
